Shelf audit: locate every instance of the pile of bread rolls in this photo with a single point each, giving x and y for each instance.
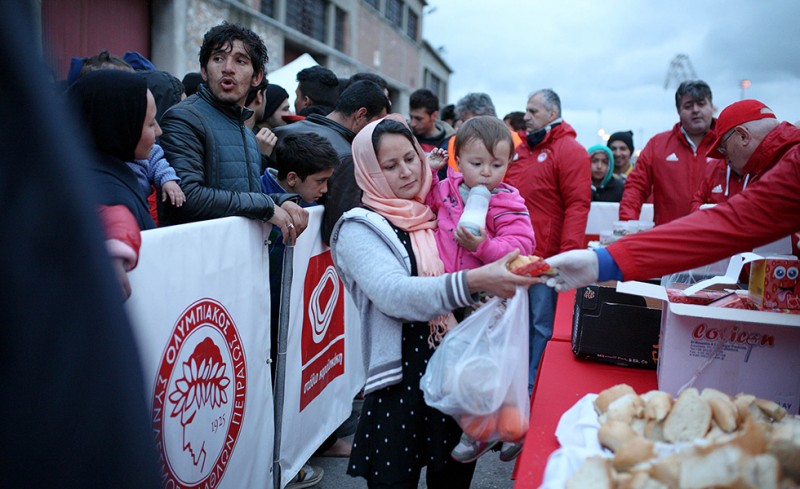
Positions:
(715, 440)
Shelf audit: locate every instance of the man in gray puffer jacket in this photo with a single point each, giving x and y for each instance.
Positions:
(212, 151)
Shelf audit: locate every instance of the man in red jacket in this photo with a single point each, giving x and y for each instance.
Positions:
(752, 141)
(552, 175)
(673, 163)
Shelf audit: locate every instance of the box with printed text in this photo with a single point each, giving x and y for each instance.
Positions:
(733, 350)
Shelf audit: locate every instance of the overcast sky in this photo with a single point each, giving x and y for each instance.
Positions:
(608, 60)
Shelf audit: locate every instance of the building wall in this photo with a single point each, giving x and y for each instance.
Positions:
(81, 28)
(170, 32)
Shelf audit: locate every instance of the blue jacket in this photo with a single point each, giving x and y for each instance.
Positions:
(217, 159)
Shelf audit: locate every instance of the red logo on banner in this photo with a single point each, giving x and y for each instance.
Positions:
(322, 349)
(199, 398)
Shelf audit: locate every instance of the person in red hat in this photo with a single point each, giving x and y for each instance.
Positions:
(721, 182)
(753, 142)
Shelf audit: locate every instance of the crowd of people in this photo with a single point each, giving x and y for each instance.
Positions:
(224, 142)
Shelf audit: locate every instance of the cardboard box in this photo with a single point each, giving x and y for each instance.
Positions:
(617, 328)
(732, 350)
(774, 282)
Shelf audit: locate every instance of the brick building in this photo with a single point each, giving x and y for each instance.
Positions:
(347, 36)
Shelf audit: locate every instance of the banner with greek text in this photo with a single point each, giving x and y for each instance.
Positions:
(200, 311)
(324, 366)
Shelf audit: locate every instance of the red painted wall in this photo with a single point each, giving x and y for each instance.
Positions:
(86, 27)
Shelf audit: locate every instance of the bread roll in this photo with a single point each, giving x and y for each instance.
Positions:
(771, 409)
(762, 472)
(689, 418)
(632, 452)
(709, 393)
(625, 408)
(784, 444)
(656, 404)
(642, 480)
(724, 412)
(718, 468)
(667, 470)
(594, 473)
(607, 396)
(614, 434)
(654, 430)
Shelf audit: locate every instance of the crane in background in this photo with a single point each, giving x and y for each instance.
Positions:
(680, 70)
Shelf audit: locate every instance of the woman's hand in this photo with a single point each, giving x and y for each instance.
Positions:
(496, 279)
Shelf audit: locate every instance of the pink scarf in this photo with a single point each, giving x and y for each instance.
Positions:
(411, 215)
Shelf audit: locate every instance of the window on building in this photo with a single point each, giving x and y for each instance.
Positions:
(433, 83)
(267, 7)
(308, 17)
(411, 25)
(394, 12)
(373, 3)
(340, 32)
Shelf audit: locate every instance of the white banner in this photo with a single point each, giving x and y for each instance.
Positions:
(200, 311)
(324, 366)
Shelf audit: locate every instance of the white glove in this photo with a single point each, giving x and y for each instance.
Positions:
(576, 268)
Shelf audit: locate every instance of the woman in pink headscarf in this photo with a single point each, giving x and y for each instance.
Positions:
(386, 254)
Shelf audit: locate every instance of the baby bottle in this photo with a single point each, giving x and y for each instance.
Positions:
(475, 209)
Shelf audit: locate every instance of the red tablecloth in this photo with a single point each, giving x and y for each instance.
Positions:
(562, 381)
(562, 324)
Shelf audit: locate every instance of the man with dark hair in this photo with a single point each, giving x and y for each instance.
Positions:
(553, 176)
(210, 147)
(423, 112)
(515, 121)
(673, 163)
(317, 87)
(448, 115)
(361, 103)
(191, 81)
(373, 77)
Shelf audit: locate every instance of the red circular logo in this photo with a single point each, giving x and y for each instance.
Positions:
(199, 396)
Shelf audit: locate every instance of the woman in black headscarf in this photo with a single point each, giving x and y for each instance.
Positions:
(119, 113)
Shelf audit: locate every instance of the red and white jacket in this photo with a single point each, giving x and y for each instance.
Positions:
(555, 180)
(671, 170)
(719, 184)
(767, 210)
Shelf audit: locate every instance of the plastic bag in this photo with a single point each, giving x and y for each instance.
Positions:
(479, 373)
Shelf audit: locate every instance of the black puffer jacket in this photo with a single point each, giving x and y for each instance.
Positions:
(217, 158)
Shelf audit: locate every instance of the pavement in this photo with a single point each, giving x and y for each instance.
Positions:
(490, 472)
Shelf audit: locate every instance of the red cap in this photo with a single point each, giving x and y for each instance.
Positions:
(735, 114)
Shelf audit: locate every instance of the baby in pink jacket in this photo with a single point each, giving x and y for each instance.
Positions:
(483, 149)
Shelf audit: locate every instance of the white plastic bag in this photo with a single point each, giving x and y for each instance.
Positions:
(479, 373)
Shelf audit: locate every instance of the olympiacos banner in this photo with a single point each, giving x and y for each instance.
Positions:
(200, 311)
(324, 366)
